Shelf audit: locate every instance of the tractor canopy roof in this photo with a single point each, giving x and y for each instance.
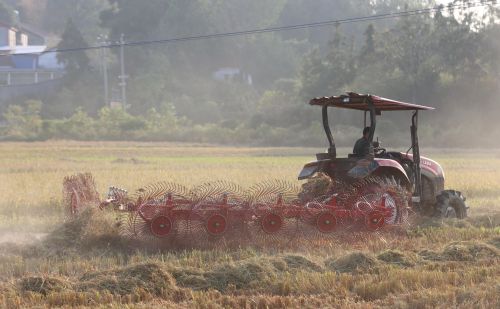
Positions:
(353, 100)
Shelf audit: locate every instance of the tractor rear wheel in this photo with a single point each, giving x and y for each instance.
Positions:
(386, 192)
(451, 204)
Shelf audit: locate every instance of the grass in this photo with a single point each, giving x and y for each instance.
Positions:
(85, 264)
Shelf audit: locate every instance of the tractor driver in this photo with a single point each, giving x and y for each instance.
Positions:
(362, 146)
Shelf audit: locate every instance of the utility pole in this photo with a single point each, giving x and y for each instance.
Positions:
(123, 77)
(104, 62)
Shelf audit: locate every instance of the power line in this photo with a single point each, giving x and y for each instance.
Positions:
(477, 4)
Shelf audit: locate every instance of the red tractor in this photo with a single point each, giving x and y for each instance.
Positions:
(404, 179)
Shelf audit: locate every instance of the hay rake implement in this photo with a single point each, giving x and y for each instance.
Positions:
(165, 214)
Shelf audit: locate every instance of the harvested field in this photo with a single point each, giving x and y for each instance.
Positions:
(47, 260)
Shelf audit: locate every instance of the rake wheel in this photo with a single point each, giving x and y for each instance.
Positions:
(326, 222)
(216, 224)
(207, 225)
(275, 212)
(274, 224)
(156, 218)
(216, 215)
(161, 226)
(374, 220)
(271, 223)
(155, 223)
(319, 220)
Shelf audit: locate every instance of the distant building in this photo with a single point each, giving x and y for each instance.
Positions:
(10, 37)
(24, 67)
(232, 75)
(22, 63)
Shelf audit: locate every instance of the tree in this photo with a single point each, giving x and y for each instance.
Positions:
(324, 76)
(409, 48)
(368, 49)
(24, 123)
(84, 13)
(79, 126)
(136, 19)
(74, 61)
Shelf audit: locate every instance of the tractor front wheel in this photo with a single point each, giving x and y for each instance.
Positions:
(451, 204)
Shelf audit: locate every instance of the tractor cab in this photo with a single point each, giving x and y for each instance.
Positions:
(405, 167)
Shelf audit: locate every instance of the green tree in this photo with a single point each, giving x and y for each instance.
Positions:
(162, 123)
(324, 76)
(79, 126)
(24, 122)
(84, 13)
(367, 52)
(117, 124)
(77, 61)
(136, 19)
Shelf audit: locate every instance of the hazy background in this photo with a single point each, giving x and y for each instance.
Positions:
(254, 89)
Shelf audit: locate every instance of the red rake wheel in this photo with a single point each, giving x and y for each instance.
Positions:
(326, 222)
(161, 226)
(375, 220)
(216, 217)
(275, 213)
(271, 223)
(318, 218)
(156, 216)
(153, 226)
(216, 225)
(212, 226)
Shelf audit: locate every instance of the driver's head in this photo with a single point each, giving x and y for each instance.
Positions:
(366, 132)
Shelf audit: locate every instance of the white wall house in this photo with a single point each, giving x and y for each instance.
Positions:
(10, 37)
(22, 63)
(232, 75)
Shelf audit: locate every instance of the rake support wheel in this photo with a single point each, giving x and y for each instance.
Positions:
(154, 225)
(214, 215)
(216, 224)
(271, 223)
(161, 226)
(326, 222)
(374, 220)
(274, 224)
